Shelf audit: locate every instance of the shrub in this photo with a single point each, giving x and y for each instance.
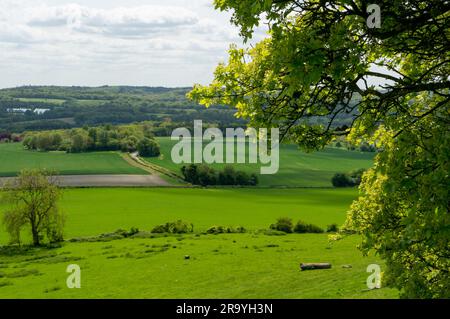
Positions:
(341, 180)
(348, 180)
(178, 227)
(333, 228)
(201, 174)
(301, 227)
(206, 175)
(356, 176)
(148, 148)
(225, 230)
(283, 224)
(272, 232)
(227, 176)
(133, 231)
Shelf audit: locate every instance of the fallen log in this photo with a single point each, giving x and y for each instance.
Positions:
(314, 266)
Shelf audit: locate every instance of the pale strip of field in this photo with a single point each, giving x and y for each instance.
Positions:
(105, 181)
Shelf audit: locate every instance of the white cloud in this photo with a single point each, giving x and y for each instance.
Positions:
(44, 42)
(122, 21)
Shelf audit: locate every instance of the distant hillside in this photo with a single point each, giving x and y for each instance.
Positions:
(31, 108)
(52, 107)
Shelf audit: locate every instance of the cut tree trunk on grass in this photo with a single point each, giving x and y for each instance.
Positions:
(314, 266)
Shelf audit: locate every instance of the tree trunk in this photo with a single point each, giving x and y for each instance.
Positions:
(35, 234)
(314, 266)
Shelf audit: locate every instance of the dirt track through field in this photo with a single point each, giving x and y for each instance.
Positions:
(105, 181)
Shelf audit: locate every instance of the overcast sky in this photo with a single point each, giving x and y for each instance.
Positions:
(111, 42)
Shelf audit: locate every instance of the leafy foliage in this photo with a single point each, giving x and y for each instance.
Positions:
(71, 107)
(148, 147)
(317, 63)
(177, 227)
(283, 224)
(127, 138)
(348, 180)
(302, 227)
(204, 175)
(33, 202)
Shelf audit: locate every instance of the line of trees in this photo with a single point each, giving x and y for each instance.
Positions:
(204, 175)
(106, 138)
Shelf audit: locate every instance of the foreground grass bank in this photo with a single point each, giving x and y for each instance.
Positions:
(220, 266)
(249, 265)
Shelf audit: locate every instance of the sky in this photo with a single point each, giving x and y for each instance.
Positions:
(112, 42)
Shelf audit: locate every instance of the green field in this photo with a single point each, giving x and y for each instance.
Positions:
(94, 211)
(14, 158)
(297, 168)
(221, 266)
(250, 265)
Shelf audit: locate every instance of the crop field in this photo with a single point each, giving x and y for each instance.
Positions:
(250, 265)
(13, 158)
(297, 168)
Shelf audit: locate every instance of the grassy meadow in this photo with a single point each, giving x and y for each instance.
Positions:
(220, 266)
(297, 168)
(14, 158)
(99, 210)
(250, 265)
(254, 264)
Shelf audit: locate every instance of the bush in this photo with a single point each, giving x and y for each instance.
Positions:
(201, 174)
(178, 227)
(226, 230)
(206, 175)
(228, 176)
(365, 147)
(272, 232)
(133, 231)
(148, 148)
(333, 228)
(283, 224)
(341, 180)
(122, 232)
(159, 229)
(302, 228)
(348, 180)
(356, 176)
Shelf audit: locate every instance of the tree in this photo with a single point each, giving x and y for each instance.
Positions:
(148, 148)
(32, 201)
(44, 142)
(341, 180)
(129, 144)
(318, 62)
(79, 143)
(227, 176)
